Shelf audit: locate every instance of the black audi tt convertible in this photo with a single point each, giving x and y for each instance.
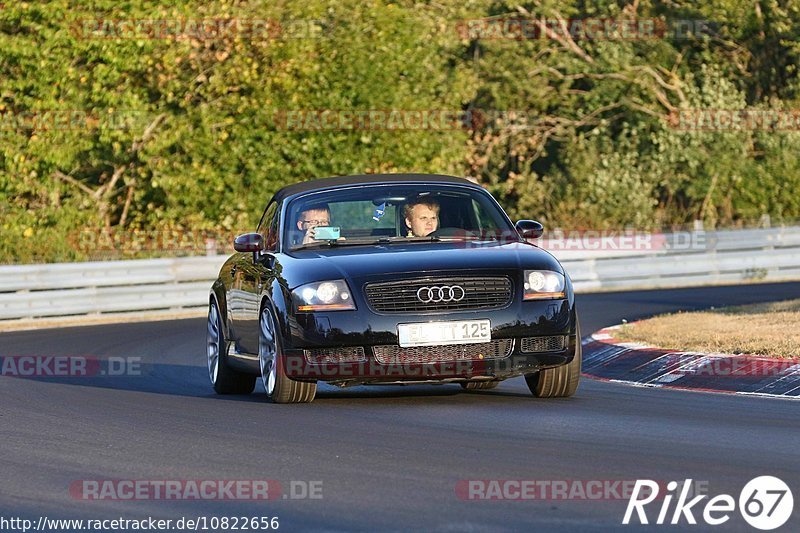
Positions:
(390, 279)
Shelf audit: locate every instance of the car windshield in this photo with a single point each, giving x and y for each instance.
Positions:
(394, 214)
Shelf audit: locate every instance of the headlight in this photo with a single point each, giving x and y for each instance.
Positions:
(543, 285)
(323, 296)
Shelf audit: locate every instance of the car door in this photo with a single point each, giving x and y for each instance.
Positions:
(238, 299)
(256, 277)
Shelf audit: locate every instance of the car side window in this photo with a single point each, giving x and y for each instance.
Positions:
(269, 228)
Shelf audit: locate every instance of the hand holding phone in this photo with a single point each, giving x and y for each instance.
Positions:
(327, 233)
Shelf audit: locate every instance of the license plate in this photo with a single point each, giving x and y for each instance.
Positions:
(452, 332)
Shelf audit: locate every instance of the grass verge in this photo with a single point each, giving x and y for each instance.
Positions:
(771, 329)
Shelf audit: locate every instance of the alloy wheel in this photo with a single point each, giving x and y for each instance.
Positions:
(267, 352)
(213, 338)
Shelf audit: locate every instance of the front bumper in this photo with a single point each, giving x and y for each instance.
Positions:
(364, 333)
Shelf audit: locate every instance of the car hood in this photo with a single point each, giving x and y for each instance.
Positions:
(357, 262)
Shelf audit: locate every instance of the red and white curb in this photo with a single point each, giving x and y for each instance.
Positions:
(607, 358)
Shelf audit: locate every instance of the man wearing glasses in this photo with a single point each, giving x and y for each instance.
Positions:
(310, 218)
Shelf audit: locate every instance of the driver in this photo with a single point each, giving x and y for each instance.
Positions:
(422, 216)
(310, 218)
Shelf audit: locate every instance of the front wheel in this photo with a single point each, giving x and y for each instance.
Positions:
(224, 379)
(280, 387)
(559, 382)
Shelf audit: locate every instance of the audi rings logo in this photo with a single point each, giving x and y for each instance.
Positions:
(445, 293)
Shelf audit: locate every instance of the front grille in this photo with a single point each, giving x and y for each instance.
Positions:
(321, 356)
(393, 354)
(401, 296)
(554, 343)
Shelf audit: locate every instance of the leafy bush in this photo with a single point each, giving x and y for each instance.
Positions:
(176, 135)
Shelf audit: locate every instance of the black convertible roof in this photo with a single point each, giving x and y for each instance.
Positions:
(340, 181)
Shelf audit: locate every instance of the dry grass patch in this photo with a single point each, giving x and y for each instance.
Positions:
(771, 329)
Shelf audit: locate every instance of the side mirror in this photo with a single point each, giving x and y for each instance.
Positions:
(249, 242)
(529, 229)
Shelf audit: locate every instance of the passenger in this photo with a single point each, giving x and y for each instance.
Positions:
(422, 216)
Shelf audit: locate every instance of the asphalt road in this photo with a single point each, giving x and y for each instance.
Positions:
(388, 458)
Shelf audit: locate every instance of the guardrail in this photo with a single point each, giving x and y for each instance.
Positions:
(34, 291)
(57, 290)
(690, 258)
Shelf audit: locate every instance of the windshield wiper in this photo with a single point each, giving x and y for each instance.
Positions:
(401, 240)
(331, 244)
(371, 242)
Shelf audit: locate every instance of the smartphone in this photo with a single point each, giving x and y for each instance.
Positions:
(327, 233)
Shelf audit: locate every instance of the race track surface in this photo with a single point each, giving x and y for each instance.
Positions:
(388, 457)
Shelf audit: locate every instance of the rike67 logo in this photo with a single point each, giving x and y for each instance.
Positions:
(765, 503)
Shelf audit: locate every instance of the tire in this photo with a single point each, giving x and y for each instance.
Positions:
(480, 385)
(561, 381)
(224, 379)
(280, 387)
